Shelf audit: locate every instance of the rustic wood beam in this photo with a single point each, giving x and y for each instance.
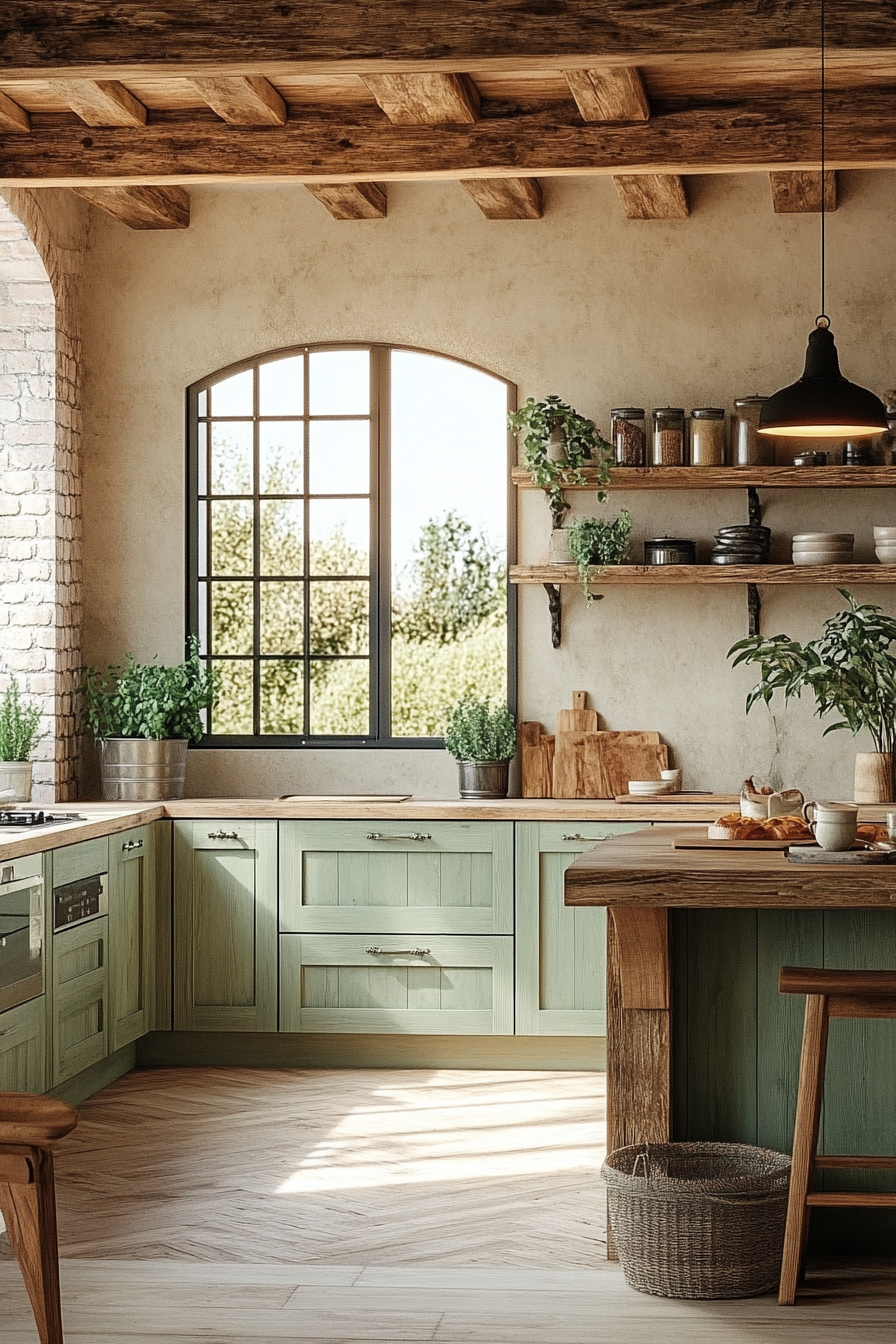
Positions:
(243, 100)
(761, 134)
(800, 193)
(101, 102)
(652, 196)
(12, 117)
(617, 94)
(426, 100)
(351, 200)
(141, 207)
(506, 197)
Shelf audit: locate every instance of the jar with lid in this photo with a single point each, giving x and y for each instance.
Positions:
(707, 436)
(667, 444)
(749, 448)
(628, 436)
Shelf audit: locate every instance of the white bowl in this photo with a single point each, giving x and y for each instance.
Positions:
(825, 538)
(885, 534)
(887, 557)
(822, 557)
(647, 786)
(835, 548)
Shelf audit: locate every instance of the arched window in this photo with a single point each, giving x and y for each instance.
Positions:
(349, 536)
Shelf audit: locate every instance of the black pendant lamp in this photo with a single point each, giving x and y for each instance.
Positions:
(822, 404)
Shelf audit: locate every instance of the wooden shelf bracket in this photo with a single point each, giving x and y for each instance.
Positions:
(754, 609)
(555, 607)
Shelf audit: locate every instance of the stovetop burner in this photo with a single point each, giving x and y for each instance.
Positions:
(30, 817)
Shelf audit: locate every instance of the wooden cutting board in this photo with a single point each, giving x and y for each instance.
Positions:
(578, 719)
(599, 765)
(536, 760)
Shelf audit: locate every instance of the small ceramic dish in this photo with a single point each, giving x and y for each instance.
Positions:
(825, 538)
(648, 786)
(822, 557)
(885, 534)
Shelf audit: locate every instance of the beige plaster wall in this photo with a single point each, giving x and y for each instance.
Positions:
(584, 303)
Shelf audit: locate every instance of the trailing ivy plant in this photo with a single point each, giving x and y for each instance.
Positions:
(19, 726)
(850, 669)
(595, 541)
(148, 699)
(476, 732)
(582, 446)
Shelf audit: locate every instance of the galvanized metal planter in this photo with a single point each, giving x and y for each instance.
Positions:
(482, 779)
(142, 769)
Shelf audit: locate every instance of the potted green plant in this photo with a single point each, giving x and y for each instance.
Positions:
(558, 443)
(19, 735)
(482, 740)
(143, 717)
(851, 671)
(599, 542)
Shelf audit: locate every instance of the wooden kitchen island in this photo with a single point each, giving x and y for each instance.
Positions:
(700, 1045)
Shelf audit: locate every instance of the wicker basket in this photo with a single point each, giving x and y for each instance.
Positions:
(698, 1220)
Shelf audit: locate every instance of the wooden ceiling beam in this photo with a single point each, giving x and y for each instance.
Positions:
(141, 207)
(101, 102)
(800, 193)
(243, 100)
(426, 100)
(506, 197)
(652, 196)
(12, 117)
(350, 200)
(617, 94)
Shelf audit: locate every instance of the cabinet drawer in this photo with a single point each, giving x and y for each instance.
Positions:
(442, 985)
(575, 837)
(23, 1047)
(220, 834)
(423, 877)
(76, 861)
(80, 998)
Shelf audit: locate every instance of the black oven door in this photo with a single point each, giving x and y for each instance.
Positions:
(21, 941)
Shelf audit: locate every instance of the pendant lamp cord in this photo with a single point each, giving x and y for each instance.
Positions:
(822, 320)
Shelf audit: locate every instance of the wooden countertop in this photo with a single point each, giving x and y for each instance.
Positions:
(643, 869)
(101, 819)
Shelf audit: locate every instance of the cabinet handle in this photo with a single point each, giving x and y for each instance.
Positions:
(398, 951)
(411, 835)
(131, 844)
(590, 839)
(223, 835)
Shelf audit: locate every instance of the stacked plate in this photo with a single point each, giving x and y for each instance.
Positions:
(823, 548)
(746, 545)
(885, 545)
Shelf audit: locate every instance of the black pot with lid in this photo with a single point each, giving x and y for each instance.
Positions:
(670, 551)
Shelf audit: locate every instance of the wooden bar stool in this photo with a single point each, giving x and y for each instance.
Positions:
(828, 994)
(29, 1125)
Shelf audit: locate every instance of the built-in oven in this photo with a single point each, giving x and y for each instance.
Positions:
(21, 937)
(76, 902)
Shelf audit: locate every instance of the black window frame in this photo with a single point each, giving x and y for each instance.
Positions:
(380, 553)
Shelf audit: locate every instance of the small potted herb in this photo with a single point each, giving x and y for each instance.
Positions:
(558, 443)
(143, 717)
(482, 740)
(19, 735)
(597, 542)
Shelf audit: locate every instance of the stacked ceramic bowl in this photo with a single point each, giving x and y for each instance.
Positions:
(885, 545)
(823, 548)
(746, 545)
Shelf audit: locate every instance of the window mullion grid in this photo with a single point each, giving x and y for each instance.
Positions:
(306, 546)
(256, 559)
(382, 574)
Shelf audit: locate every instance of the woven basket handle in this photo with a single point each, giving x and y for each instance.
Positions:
(643, 1159)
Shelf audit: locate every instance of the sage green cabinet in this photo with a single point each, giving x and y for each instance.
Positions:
(417, 877)
(80, 998)
(561, 950)
(225, 926)
(449, 985)
(23, 1047)
(132, 928)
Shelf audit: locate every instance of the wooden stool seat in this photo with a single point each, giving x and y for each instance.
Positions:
(829, 993)
(28, 1127)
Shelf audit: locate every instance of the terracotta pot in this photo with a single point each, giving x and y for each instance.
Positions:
(874, 777)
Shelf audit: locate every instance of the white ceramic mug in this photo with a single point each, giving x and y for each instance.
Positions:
(832, 824)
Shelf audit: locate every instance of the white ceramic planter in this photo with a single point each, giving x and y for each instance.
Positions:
(15, 779)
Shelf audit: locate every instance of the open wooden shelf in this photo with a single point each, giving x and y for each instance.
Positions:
(679, 575)
(728, 478)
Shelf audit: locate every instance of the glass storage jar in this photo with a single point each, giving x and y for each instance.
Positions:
(748, 447)
(667, 444)
(707, 436)
(628, 436)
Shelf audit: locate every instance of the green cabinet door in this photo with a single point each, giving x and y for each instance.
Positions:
(23, 1047)
(561, 951)
(132, 922)
(80, 1018)
(225, 926)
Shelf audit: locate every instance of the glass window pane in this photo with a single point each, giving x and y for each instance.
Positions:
(340, 617)
(231, 618)
(282, 618)
(340, 457)
(339, 536)
(231, 458)
(233, 711)
(282, 525)
(202, 540)
(281, 449)
(233, 396)
(202, 458)
(281, 389)
(202, 403)
(203, 618)
(231, 536)
(339, 382)
(340, 697)
(282, 697)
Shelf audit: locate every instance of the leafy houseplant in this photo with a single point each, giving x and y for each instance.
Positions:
(558, 443)
(143, 715)
(595, 541)
(19, 735)
(851, 671)
(482, 740)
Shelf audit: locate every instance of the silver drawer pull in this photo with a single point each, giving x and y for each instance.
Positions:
(223, 835)
(131, 844)
(588, 839)
(411, 835)
(398, 951)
